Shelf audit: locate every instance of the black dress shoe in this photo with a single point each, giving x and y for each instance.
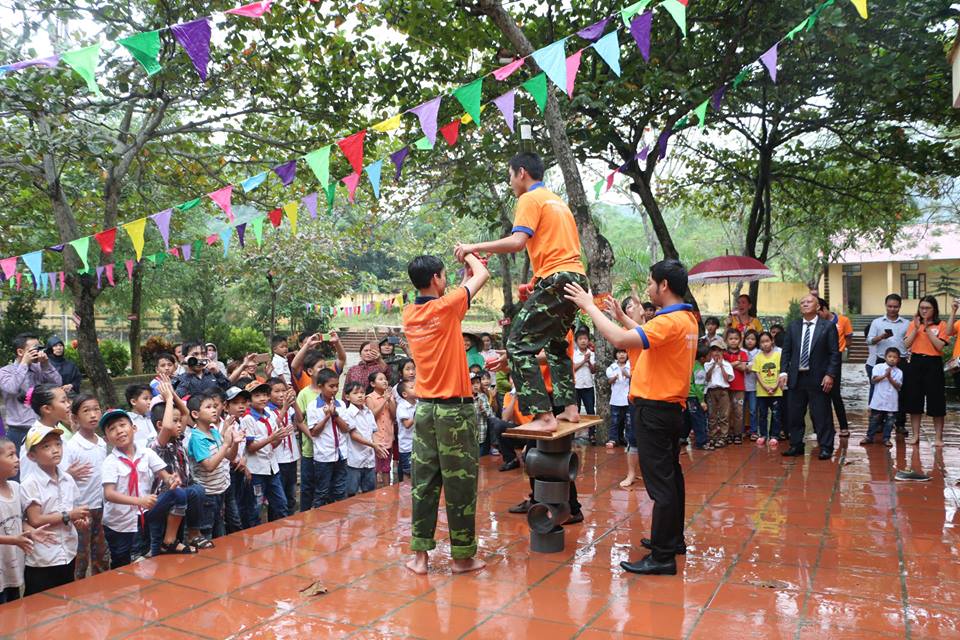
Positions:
(523, 507)
(650, 567)
(680, 551)
(575, 518)
(507, 466)
(825, 455)
(792, 452)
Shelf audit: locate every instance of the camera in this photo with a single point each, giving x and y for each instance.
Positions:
(393, 339)
(194, 361)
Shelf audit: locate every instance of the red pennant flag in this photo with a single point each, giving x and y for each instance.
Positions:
(19, 278)
(109, 270)
(451, 132)
(352, 148)
(106, 240)
(175, 252)
(276, 217)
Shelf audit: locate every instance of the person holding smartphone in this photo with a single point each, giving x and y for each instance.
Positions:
(31, 367)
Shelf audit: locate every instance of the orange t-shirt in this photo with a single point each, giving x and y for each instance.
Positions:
(956, 340)
(432, 328)
(554, 244)
(921, 344)
(844, 328)
(518, 418)
(665, 365)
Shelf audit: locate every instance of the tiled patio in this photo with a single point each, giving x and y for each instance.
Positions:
(778, 549)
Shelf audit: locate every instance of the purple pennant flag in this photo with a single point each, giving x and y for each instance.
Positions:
(642, 155)
(640, 30)
(52, 279)
(194, 37)
(594, 31)
(717, 97)
(286, 172)
(505, 103)
(662, 143)
(310, 204)
(48, 62)
(99, 276)
(185, 251)
(769, 60)
(427, 113)
(57, 247)
(241, 229)
(162, 220)
(397, 159)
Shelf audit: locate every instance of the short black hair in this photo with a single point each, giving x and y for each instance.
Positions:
(157, 412)
(189, 346)
(619, 350)
(702, 351)
(78, 401)
(133, 391)
(712, 320)
(582, 331)
(275, 340)
(197, 399)
(275, 381)
(529, 162)
(311, 359)
(403, 387)
(776, 325)
(422, 269)
(166, 356)
(889, 349)
(823, 304)
(649, 306)
(325, 375)
(349, 388)
(893, 296)
(673, 272)
(732, 330)
(20, 340)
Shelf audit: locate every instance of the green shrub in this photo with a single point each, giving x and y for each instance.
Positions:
(71, 354)
(793, 312)
(241, 341)
(115, 356)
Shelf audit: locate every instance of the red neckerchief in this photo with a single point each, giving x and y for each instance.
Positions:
(282, 421)
(133, 482)
(260, 418)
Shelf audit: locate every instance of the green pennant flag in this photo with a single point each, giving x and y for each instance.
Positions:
(331, 191)
(257, 225)
(423, 144)
(84, 62)
(469, 96)
(678, 10)
(812, 20)
(681, 123)
(797, 29)
(743, 75)
(701, 113)
(319, 163)
(628, 12)
(157, 258)
(189, 204)
(145, 48)
(598, 187)
(197, 247)
(81, 246)
(537, 87)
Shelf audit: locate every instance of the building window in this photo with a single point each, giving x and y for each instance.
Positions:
(909, 266)
(913, 286)
(851, 268)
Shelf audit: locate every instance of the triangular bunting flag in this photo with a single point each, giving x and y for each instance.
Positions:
(594, 31)
(352, 147)
(257, 225)
(331, 192)
(9, 266)
(99, 277)
(175, 252)
(84, 62)
(717, 97)
(34, 262)
(609, 49)
(62, 281)
(291, 210)
(640, 30)
(106, 240)
(797, 29)
(769, 60)
(390, 124)
(627, 13)
(82, 246)
(145, 49)
(319, 163)
(129, 265)
(162, 220)
(573, 65)
(223, 198)
(597, 188)
(252, 10)
(423, 144)
(553, 60)
(397, 158)
(701, 113)
(225, 236)
(373, 174)
(58, 248)
(189, 204)
(678, 10)
(662, 143)
(610, 180)
(351, 181)
(469, 95)
(427, 114)
(109, 271)
(451, 132)
(287, 172)
(309, 202)
(19, 278)
(185, 251)
(861, 6)
(276, 217)
(507, 70)
(253, 182)
(194, 37)
(506, 105)
(135, 231)
(52, 277)
(743, 75)
(241, 230)
(537, 87)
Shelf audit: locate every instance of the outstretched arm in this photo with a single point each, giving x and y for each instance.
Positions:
(514, 243)
(617, 336)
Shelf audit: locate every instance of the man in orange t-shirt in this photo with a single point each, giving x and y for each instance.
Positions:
(544, 225)
(659, 386)
(445, 445)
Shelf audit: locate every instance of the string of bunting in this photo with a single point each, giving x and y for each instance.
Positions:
(769, 60)
(368, 308)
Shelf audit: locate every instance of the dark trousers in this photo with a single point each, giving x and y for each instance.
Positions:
(37, 579)
(508, 446)
(288, 480)
(659, 427)
(9, 594)
(195, 497)
(837, 400)
(403, 465)
(120, 544)
(212, 521)
(232, 521)
(172, 502)
(245, 500)
(308, 478)
(768, 405)
(361, 480)
(695, 419)
(807, 392)
(620, 418)
(270, 487)
(330, 483)
(587, 398)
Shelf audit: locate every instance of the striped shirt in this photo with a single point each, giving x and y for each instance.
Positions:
(201, 447)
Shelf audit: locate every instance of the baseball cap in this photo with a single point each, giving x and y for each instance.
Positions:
(111, 416)
(37, 433)
(255, 386)
(233, 392)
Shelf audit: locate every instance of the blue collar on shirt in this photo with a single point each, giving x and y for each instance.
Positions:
(322, 403)
(423, 299)
(256, 414)
(535, 186)
(675, 307)
(271, 405)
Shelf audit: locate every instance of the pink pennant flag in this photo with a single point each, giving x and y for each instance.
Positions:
(352, 181)
(62, 281)
(506, 105)
(252, 10)
(174, 252)
(610, 180)
(9, 267)
(162, 220)
(507, 70)
(109, 271)
(129, 264)
(769, 60)
(211, 239)
(223, 199)
(573, 65)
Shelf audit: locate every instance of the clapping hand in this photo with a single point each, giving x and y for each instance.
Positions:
(577, 295)
(41, 534)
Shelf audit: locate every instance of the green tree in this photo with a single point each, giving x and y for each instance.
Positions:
(20, 315)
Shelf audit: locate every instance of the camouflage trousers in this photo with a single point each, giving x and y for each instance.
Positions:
(444, 457)
(543, 323)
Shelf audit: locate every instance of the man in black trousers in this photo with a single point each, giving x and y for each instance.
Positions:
(809, 365)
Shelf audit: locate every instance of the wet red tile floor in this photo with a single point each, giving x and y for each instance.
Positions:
(778, 548)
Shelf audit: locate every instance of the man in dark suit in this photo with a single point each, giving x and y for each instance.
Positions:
(809, 364)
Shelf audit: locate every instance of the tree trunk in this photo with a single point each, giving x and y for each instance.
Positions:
(506, 277)
(87, 342)
(136, 306)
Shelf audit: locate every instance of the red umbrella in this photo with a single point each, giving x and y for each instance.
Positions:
(727, 268)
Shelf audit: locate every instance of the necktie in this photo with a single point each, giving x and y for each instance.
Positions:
(133, 482)
(805, 347)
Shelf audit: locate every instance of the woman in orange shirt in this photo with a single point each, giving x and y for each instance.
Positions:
(923, 377)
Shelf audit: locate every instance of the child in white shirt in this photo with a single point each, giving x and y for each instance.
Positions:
(282, 401)
(618, 374)
(361, 452)
(263, 435)
(139, 397)
(719, 374)
(406, 410)
(887, 378)
(329, 432)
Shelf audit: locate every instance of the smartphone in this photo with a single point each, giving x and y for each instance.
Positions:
(393, 339)
(888, 332)
(263, 358)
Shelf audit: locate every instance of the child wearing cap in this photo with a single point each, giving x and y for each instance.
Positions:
(330, 434)
(210, 454)
(138, 398)
(238, 501)
(50, 403)
(280, 408)
(128, 477)
(719, 374)
(263, 435)
(50, 497)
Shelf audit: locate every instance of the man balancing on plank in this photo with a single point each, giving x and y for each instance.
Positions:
(545, 226)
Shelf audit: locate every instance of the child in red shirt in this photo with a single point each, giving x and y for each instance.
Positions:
(739, 360)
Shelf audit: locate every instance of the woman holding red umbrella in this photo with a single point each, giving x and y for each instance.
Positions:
(742, 318)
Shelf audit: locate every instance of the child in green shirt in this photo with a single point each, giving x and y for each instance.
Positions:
(694, 415)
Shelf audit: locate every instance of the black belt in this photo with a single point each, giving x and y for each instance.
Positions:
(447, 400)
(658, 404)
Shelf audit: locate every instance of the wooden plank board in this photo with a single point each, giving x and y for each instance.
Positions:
(564, 429)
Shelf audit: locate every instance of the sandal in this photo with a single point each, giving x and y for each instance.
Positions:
(175, 548)
(201, 542)
(737, 439)
(754, 437)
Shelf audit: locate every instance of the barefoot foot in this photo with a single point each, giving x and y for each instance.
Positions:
(938, 443)
(628, 481)
(544, 422)
(467, 564)
(571, 413)
(419, 563)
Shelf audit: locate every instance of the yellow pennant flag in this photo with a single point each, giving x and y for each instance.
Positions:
(387, 125)
(291, 210)
(467, 118)
(135, 231)
(861, 6)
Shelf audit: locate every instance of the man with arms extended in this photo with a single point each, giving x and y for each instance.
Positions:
(659, 387)
(445, 445)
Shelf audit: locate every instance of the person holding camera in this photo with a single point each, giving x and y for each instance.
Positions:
(201, 375)
(30, 368)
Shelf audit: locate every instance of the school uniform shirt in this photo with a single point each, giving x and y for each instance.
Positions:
(554, 244)
(718, 374)
(117, 470)
(766, 366)
(79, 449)
(739, 380)
(331, 444)
(288, 449)
(620, 389)
(405, 411)
(281, 368)
(662, 370)
(360, 456)
(28, 466)
(145, 431)
(885, 395)
(11, 524)
(257, 426)
(54, 495)
(582, 377)
(750, 378)
(202, 446)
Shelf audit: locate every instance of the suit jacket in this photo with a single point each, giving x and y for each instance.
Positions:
(824, 351)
